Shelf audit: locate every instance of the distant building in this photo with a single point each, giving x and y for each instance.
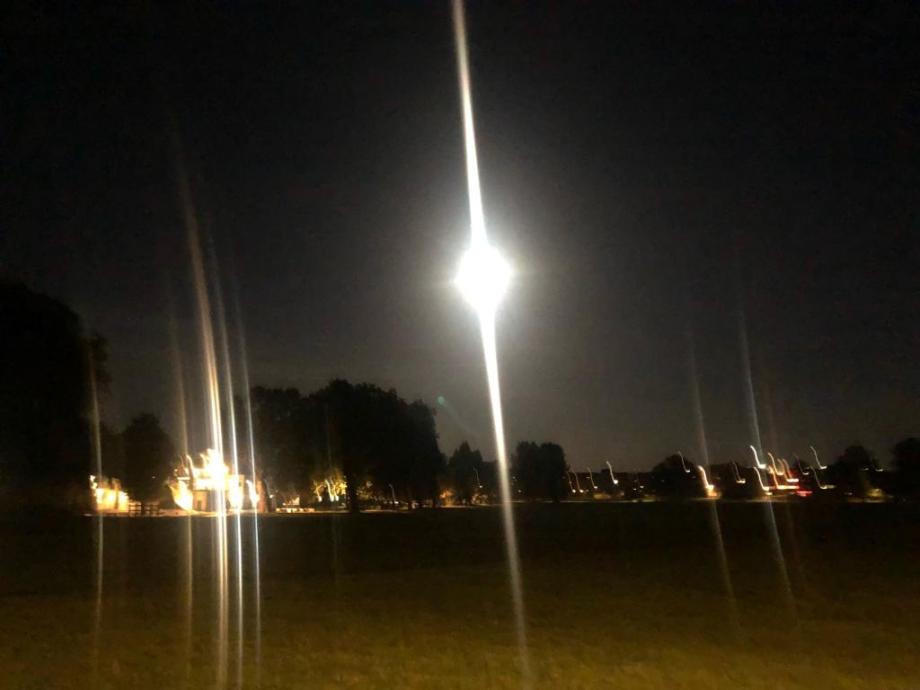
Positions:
(206, 485)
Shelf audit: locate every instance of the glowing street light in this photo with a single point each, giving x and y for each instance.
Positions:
(757, 462)
(738, 478)
(776, 468)
(610, 469)
(757, 467)
(577, 483)
(817, 462)
(591, 477)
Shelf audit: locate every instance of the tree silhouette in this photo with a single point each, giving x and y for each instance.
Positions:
(149, 456)
(677, 477)
(539, 470)
(906, 461)
(852, 473)
(465, 468)
(290, 437)
(378, 439)
(420, 440)
(46, 363)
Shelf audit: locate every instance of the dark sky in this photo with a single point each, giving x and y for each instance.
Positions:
(652, 174)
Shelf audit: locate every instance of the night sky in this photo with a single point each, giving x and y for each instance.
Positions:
(665, 184)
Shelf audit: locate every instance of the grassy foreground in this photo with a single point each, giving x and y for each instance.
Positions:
(630, 596)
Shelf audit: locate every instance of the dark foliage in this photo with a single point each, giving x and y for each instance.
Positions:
(539, 470)
(677, 477)
(374, 437)
(906, 461)
(466, 470)
(149, 455)
(45, 366)
(854, 472)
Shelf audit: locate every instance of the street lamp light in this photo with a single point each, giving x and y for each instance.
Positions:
(610, 469)
(591, 477)
(818, 462)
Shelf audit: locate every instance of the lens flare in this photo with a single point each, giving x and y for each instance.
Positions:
(484, 276)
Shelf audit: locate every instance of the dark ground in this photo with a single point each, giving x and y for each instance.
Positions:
(617, 595)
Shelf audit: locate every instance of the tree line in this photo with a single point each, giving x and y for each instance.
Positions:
(367, 441)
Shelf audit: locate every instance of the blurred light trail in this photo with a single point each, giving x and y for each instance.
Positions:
(769, 517)
(714, 522)
(817, 461)
(483, 277)
(98, 518)
(250, 436)
(789, 478)
(187, 590)
(212, 396)
(757, 467)
(237, 503)
(591, 477)
(577, 483)
(777, 469)
(738, 478)
(610, 469)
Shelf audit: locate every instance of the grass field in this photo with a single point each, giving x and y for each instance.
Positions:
(617, 595)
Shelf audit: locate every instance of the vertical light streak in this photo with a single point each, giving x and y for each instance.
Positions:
(769, 515)
(250, 437)
(477, 216)
(577, 482)
(487, 327)
(591, 478)
(613, 480)
(97, 519)
(187, 590)
(234, 460)
(817, 461)
(487, 330)
(714, 521)
(215, 434)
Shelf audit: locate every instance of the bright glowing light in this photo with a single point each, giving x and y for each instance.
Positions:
(612, 478)
(788, 469)
(235, 494)
(757, 462)
(738, 478)
(817, 461)
(182, 496)
(108, 496)
(591, 477)
(208, 485)
(778, 470)
(483, 277)
(253, 493)
(710, 488)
